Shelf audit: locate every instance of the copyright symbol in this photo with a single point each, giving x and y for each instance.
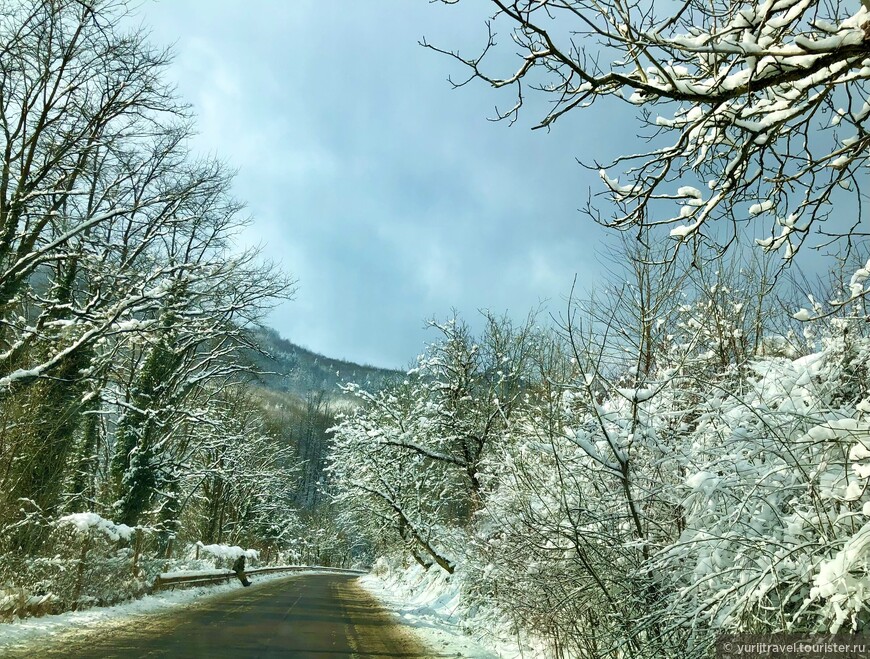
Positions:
(728, 647)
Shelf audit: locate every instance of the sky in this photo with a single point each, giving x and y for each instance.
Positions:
(388, 195)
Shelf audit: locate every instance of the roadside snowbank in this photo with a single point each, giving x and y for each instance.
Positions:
(431, 602)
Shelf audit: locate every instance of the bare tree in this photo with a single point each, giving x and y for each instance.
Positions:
(122, 296)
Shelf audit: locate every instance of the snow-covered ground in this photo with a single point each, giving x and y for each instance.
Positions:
(430, 602)
(429, 615)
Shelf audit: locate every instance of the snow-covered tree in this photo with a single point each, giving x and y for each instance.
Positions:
(752, 110)
(419, 449)
(238, 480)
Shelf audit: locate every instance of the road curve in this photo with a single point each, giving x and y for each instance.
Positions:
(309, 615)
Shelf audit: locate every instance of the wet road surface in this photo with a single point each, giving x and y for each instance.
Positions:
(319, 615)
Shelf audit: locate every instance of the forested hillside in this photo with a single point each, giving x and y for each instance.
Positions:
(300, 394)
(284, 366)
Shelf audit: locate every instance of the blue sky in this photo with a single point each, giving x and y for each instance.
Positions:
(386, 193)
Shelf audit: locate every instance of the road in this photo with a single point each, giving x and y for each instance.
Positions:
(318, 615)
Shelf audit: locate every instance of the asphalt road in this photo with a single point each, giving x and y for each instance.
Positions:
(321, 615)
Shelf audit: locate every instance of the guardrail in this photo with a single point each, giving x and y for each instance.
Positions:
(165, 581)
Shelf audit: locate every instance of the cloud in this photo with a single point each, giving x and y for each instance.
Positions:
(386, 193)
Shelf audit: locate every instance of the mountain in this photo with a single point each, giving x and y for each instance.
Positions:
(293, 369)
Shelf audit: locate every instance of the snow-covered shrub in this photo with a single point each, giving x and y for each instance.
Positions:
(87, 560)
(652, 518)
(773, 502)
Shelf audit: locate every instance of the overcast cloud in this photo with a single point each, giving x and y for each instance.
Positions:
(386, 193)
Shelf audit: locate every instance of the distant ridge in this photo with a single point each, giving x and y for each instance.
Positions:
(293, 369)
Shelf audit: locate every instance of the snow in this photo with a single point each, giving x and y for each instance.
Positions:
(763, 207)
(87, 522)
(689, 191)
(859, 452)
(615, 186)
(229, 552)
(836, 582)
(703, 481)
(801, 314)
(134, 325)
(19, 374)
(841, 162)
(858, 280)
(638, 395)
(193, 573)
(683, 230)
(430, 602)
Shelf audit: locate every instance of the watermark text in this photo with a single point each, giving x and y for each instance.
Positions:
(793, 646)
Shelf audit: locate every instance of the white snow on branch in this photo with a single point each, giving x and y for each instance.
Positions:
(92, 522)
